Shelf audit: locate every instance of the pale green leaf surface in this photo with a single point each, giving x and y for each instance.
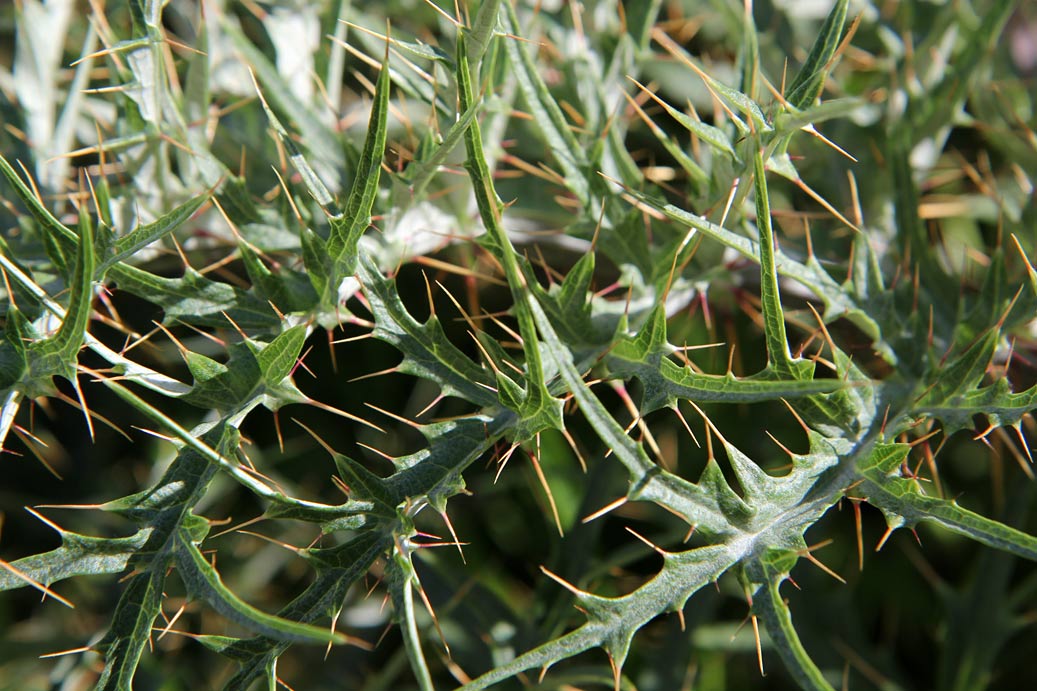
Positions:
(905, 504)
(356, 217)
(145, 234)
(203, 581)
(79, 555)
(809, 81)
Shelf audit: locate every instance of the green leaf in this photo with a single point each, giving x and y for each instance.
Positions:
(626, 244)
(714, 136)
(436, 471)
(14, 359)
(770, 295)
(338, 569)
(996, 402)
(51, 226)
(569, 308)
(789, 122)
(478, 37)
(203, 581)
(427, 352)
(741, 102)
(774, 611)
(612, 622)
(130, 631)
(59, 354)
(79, 555)
(363, 484)
(903, 502)
(223, 386)
(810, 79)
(289, 290)
(277, 359)
(811, 274)
(648, 482)
(424, 51)
(750, 57)
(195, 299)
(538, 410)
(309, 176)
(675, 149)
(347, 227)
(144, 235)
(647, 357)
(427, 163)
(403, 581)
(318, 265)
(963, 374)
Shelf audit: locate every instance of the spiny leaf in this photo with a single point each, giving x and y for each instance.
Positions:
(130, 631)
(203, 581)
(789, 122)
(963, 373)
(195, 299)
(314, 184)
(58, 354)
(145, 234)
(904, 503)
(366, 485)
(647, 357)
(811, 274)
(569, 308)
(79, 555)
(289, 290)
(770, 297)
(403, 582)
(427, 163)
(223, 386)
(675, 149)
(810, 79)
(277, 359)
(338, 569)
(996, 402)
(648, 482)
(478, 37)
(427, 352)
(747, 106)
(612, 622)
(347, 228)
(14, 359)
(318, 265)
(774, 611)
(436, 471)
(538, 410)
(714, 136)
(734, 509)
(192, 298)
(43, 216)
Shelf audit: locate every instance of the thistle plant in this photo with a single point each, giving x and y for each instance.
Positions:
(614, 301)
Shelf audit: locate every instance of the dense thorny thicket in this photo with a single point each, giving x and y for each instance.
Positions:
(608, 248)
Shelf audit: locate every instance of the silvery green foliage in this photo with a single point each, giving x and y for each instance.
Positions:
(946, 356)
